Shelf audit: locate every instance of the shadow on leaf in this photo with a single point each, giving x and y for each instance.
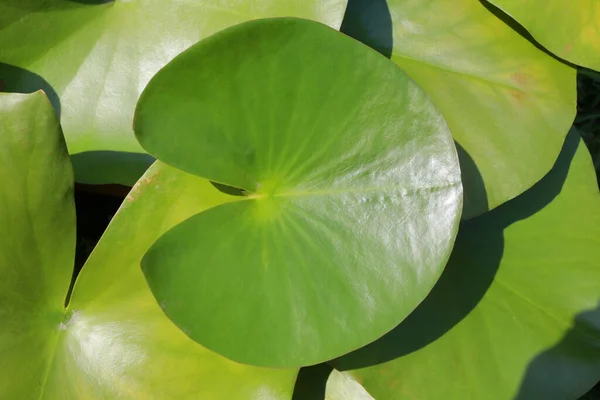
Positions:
(123, 168)
(92, 1)
(230, 190)
(460, 289)
(18, 80)
(474, 193)
(99, 166)
(15, 10)
(312, 382)
(575, 347)
(370, 22)
(517, 27)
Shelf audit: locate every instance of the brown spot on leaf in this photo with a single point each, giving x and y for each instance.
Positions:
(148, 181)
(569, 48)
(135, 191)
(518, 95)
(520, 78)
(132, 195)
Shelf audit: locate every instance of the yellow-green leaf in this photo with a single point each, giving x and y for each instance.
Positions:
(569, 29)
(113, 341)
(508, 104)
(516, 313)
(95, 60)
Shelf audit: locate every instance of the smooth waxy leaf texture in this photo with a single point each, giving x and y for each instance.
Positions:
(117, 342)
(97, 58)
(509, 105)
(352, 192)
(569, 29)
(113, 341)
(516, 312)
(37, 244)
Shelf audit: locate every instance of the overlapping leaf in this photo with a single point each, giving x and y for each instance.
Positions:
(515, 314)
(352, 188)
(95, 60)
(569, 29)
(117, 342)
(37, 220)
(113, 341)
(509, 105)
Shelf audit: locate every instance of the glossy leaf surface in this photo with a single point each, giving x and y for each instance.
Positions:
(509, 105)
(117, 342)
(516, 312)
(94, 60)
(569, 29)
(352, 189)
(36, 203)
(113, 342)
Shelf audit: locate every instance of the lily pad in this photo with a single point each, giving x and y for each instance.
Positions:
(36, 204)
(352, 186)
(98, 58)
(516, 313)
(508, 104)
(112, 341)
(569, 29)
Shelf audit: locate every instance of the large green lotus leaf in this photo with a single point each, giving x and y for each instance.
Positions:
(516, 312)
(509, 105)
(113, 341)
(352, 186)
(37, 244)
(117, 343)
(569, 29)
(95, 60)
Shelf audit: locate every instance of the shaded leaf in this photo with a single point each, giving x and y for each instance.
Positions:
(509, 105)
(569, 29)
(516, 312)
